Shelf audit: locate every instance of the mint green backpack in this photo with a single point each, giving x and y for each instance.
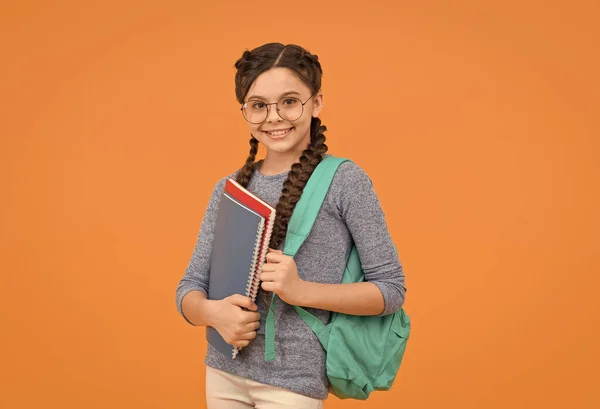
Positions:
(364, 353)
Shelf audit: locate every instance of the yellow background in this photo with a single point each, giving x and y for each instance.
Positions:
(477, 121)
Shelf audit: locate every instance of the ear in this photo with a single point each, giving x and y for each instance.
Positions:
(318, 102)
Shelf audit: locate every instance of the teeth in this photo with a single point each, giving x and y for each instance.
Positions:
(278, 133)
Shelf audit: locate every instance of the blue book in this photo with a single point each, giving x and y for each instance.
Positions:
(242, 233)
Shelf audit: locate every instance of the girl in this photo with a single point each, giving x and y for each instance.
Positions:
(279, 87)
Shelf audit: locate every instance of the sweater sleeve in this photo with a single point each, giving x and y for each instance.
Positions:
(361, 210)
(196, 274)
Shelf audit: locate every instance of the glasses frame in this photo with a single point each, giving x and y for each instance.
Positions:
(277, 109)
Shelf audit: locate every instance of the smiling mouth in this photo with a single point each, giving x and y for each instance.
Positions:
(279, 133)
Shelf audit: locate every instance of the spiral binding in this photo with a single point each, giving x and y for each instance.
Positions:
(255, 259)
(262, 257)
(257, 262)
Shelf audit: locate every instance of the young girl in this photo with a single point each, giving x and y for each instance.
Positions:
(279, 87)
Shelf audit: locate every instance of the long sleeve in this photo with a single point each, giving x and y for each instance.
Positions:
(197, 272)
(362, 213)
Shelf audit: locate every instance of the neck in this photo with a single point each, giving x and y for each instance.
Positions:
(280, 162)
(276, 162)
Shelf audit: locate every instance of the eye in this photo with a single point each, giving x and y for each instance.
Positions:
(258, 105)
(290, 101)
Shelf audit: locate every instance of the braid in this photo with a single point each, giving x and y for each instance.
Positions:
(294, 185)
(244, 175)
(314, 58)
(296, 181)
(307, 68)
(243, 60)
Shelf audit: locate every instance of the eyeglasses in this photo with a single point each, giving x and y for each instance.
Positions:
(288, 108)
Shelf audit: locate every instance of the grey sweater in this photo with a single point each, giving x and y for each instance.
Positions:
(350, 213)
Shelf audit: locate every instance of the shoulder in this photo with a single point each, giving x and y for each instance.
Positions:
(351, 188)
(350, 175)
(349, 181)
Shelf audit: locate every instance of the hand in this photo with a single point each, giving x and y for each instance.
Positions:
(280, 275)
(236, 326)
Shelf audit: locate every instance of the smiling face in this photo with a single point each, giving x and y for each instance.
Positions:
(270, 87)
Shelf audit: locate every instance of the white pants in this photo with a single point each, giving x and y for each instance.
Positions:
(227, 391)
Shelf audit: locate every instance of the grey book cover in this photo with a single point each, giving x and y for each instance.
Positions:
(238, 233)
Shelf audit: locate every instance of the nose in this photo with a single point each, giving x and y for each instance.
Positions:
(272, 114)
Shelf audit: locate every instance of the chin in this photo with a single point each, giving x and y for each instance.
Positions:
(279, 148)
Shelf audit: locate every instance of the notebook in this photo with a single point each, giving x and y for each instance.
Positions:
(242, 234)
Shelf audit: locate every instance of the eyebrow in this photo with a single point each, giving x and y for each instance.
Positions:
(282, 95)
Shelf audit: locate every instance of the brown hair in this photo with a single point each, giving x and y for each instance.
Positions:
(308, 69)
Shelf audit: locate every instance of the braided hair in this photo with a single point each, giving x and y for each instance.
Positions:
(307, 67)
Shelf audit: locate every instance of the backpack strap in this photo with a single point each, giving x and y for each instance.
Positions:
(300, 224)
(306, 210)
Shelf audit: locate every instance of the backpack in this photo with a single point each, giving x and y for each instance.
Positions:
(364, 353)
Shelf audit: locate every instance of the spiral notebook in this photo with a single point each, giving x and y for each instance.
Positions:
(242, 234)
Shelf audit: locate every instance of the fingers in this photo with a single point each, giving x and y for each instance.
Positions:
(250, 317)
(243, 301)
(267, 276)
(269, 286)
(245, 334)
(248, 336)
(268, 268)
(252, 326)
(274, 257)
(242, 343)
(245, 322)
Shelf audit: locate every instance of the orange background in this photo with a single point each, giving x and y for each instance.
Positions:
(477, 121)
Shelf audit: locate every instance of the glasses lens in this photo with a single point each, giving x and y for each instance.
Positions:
(255, 112)
(290, 108)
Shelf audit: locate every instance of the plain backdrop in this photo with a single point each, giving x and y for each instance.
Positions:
(477, 122)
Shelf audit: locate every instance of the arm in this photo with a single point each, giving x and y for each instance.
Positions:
(353, 299)
(382, 293)
(195, 280)
(361, 210)
(234, 317)
(197, 309)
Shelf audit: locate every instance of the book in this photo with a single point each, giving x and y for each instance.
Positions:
(243, 231)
